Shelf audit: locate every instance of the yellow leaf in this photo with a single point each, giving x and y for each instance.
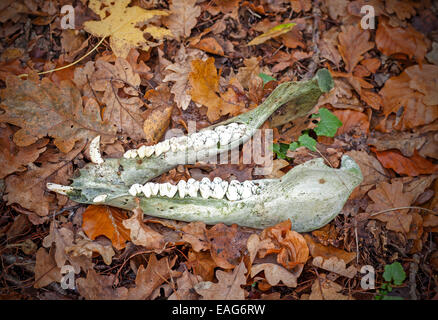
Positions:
(272, 33)
(119, 22)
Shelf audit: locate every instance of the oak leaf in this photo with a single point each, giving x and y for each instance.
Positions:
(46, 270)
(62, 237)
(228, 286)
(324, 289)
(100, 287)
(317, 249)
(335, 265)
(183, 17)
(185, 285)
(120, 23)
(210, 45)
(41, 108)
(275, 273)
(353, 43)
(106, 221)
(353, 122)
(86, 247)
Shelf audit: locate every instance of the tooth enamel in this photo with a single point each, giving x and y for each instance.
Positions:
(100, 198)
(130, 154)
(146, 189)
(141, 152)
(165, 145)
(247, 189)
(135, 189)
(173, 144)
(182, 143)
(232, 192)
(219, 188)
(163, 189)
(236, 135)
(204, 188)
(155, 188)
(182, 188)
(171, 190)
(220, 129)
(192, 187)
(95, 155)
(225, 138)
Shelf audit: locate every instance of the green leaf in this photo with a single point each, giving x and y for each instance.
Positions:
(280, 149)
(266, 78)
(392, 298)
(307, 141)
(394, 272)
(328, 123)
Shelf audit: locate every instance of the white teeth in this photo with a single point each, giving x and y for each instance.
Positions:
(95, 155)
(100, 198)
(135, 189)
(141, 151)
(204, 188)
(162, 147)
(182, 188)
(149, 151)
(182, 143)
(247, 189)
(146, 189)
(198, 141)
(173, 144)
(232, 192)
(172, 190)
(236, 136)
(192, 187)
(155, 188)
(130, 154)
(219, 188)
(163, 189)
(220, 129)
(225, 138)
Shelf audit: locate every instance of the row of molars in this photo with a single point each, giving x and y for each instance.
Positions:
(205, 139)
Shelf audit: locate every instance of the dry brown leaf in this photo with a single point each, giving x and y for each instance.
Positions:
(275, 273)
(41, 108)
(403, 9)
(353, 122)
(14, 158)
(100, 287)
(228, 286)
(183, 17)
(46, 270)
(86, 247)
(106, 221)
(210, 45)
(148, 279)
(317, 249)
(301, 5)
(204, 80)
(406, 142)
(157, 119)
(408, 41)
(179, 71)
(63, 238)
(324, 289)
(141, 234)
(335, 265)
(202, 264)
(391, 196)
(412, 166)
(195, 234)
(185, 286)
(28, 189)
(249, 71)
(353, 43)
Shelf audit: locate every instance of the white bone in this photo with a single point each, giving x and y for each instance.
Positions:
(220, 129)
(95, 155)
(59, 188)
(141, 151)
(225, 138)
(173, 144)
(182, 143)
(100, 198)
(182, 188)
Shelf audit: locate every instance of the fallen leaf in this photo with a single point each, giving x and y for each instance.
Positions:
(195, 233)
(301, 5)
(391, 196)
(403, 9)
(353, 43)
(326, 252)
(249, 71)
(149, 278)
(106, 221)
(275, 273)
(412, 166)
(202, 264)
(140, 233)
(157, 119)
(41, 108)
(183, 17)
(46, 270)
(324, 289)
(407, 40)
(14, 158)
(228, 286)
(86, 247)
(272, 33)
(210, 45)
(185, 286)
(335, 265)
(118, 21)
(353, 122)
(63, 238)
(100, 287)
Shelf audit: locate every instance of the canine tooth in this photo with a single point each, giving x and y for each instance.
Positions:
(182, 188)
(141, 152)
(100, 198)
(59, 188)
(132, 153)
(155, 188)
(232, 192)
(95, 155)
(146, 189)
(192, 187)
(135, 189)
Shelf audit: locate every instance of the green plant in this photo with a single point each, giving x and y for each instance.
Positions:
(393, 275)
(327, 126)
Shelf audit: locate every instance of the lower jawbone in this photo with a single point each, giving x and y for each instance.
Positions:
(310, 195)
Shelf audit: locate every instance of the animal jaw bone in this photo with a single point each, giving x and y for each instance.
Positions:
(310, 194)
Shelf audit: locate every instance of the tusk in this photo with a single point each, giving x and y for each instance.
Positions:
(59, 188)
(95, 151)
